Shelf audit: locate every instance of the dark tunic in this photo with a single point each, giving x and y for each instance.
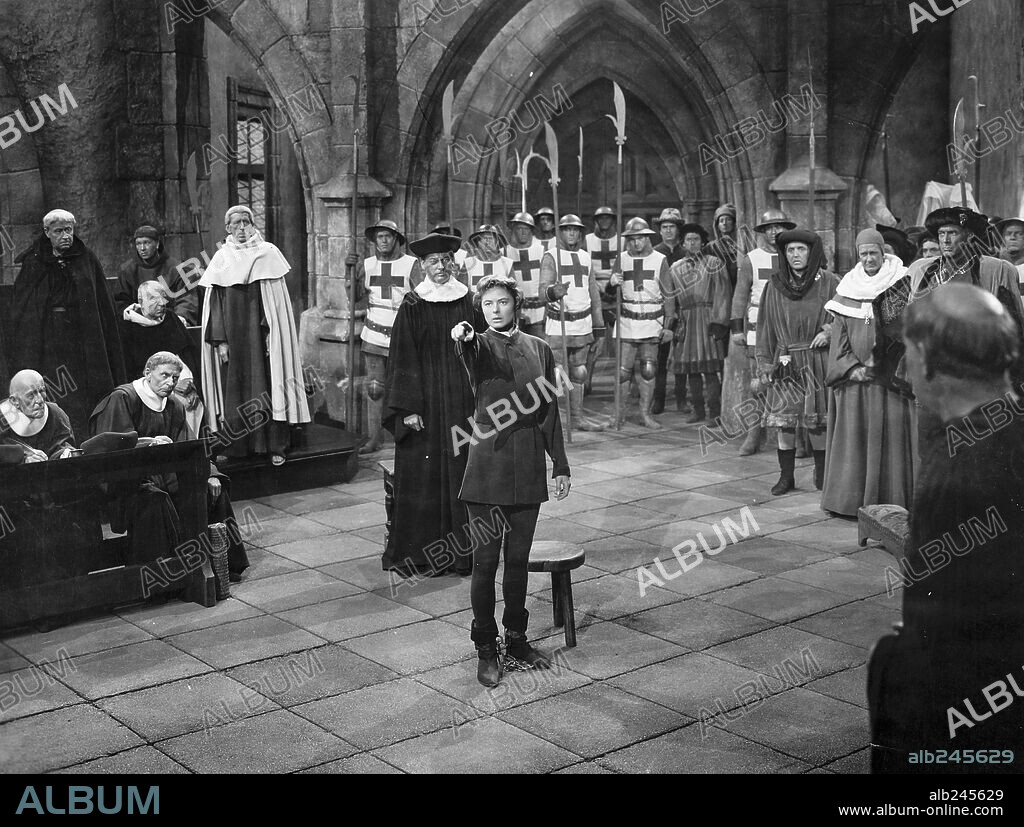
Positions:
(140, 342)
(237, 318)
(147, 510)
(869, 451)
(132, 273)
(786, 328)
(703, 298)
(507, 466)
(425, 376)
(963, 612)
(52, 439)
(61, 317)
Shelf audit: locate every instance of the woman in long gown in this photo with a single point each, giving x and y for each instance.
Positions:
(869, 450)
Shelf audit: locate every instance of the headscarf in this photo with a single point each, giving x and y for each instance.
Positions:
(857, 290)
(243, 263)
(792, 285)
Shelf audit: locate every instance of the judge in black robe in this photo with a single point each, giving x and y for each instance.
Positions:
(147, 510)
(61, 320)
(952, 678)
(150, 328)
(427, 393)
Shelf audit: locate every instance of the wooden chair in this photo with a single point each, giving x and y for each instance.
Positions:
(559, 559)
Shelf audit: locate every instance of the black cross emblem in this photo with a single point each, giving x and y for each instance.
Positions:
(488, 271)
(639, 274)
(576, 270)
(606, 256)
(524, 265)
(385, 281)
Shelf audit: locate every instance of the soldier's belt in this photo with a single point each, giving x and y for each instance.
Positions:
(570, 315)
(642, 317)
(369, 324)
(533, 302)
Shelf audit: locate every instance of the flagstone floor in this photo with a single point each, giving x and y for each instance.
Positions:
(752, 661)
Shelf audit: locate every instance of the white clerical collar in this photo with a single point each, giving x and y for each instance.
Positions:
(149, 398)
(21, 424)
(450, 291)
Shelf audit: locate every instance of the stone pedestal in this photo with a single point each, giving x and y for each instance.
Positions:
(324, 328)
(791, 190)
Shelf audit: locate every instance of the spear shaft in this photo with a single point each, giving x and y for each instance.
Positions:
(350, 413)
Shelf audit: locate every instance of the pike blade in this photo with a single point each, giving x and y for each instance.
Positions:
(960, 140)
(192, 180)
(446, 109)
(552, 153)
(620, 112)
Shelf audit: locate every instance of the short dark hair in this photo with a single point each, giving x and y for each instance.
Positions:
(505, 283)
(963, 331)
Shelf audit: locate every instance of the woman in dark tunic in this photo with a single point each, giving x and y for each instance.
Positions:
(427, 395)
(516, 422)
(793, 333)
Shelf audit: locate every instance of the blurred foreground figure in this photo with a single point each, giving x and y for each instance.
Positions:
(952, 676)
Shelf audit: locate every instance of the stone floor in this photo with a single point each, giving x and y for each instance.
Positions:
(751, 661)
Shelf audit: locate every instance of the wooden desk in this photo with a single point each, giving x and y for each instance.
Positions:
(124, 584)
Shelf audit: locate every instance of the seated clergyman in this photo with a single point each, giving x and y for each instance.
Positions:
(147, 328)
(150, 514)
(40, 428)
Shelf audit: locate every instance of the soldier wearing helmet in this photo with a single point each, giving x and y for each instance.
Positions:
(603, 246)
(545, 229)
(382, 280)
(648, 310)
(668, 225)
(526, 253)
(754, 272)
(487, 244)
(571, 280)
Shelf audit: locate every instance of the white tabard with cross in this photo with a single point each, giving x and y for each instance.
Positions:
(602, 252)
(573, 270)
(762, 263)
(476, 269)
(641, 294)
(386, 282)
(526, 269)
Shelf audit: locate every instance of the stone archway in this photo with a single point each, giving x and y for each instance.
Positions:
(527, 58)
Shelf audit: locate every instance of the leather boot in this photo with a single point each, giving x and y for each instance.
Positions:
(786, 483)
(646, 401)
(373, 416)
(752, 444)
(819, 469)
(488, 670)
(681, 404)
(516, 646)
(697, 395)
(802, 444)
(713, 389)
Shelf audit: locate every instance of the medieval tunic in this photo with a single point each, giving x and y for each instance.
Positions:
(383, 283)
(797, 396)
(869, 447)
(164, 269)
(425, 376)
(261, 389)
(754, 272)
(648, 302)
(963, 601)
(526, 269)
(474, 269)
(62, 324)
(702, 294)
(506, 466)
(582, 302)
(146, 509)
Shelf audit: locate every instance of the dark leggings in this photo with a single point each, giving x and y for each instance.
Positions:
(520, 522)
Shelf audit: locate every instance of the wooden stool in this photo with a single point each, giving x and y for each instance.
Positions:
(560, 559)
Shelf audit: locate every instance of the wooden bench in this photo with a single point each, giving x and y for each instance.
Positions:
(559, 559)
(88, 575)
